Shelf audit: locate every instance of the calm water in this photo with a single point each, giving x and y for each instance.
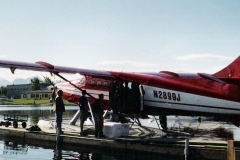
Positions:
(17, 149)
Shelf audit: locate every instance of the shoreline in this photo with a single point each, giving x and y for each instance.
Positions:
(37, 102)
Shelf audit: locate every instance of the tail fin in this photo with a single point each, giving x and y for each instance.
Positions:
(231, 73)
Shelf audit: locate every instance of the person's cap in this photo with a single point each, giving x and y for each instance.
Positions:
(84, 92)
(60, 92)
(100, 95)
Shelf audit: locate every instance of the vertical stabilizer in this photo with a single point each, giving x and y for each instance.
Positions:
(231, 71)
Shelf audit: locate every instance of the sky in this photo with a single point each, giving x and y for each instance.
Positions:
(120, 35)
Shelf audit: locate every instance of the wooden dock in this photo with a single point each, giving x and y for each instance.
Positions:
(215, 150)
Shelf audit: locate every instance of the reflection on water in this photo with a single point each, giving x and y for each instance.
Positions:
(24, 149)
(14, 148)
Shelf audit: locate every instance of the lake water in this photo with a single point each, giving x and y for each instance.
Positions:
(16, 149)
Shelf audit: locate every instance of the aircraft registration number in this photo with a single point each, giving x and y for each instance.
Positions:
(167, 95)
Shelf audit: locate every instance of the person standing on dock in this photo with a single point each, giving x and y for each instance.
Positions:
(54, 94)
(53, 98)
(98, 116)
(83, 104)
(60, 108)
(115, 106)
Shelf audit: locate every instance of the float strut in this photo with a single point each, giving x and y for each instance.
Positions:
(75, 118)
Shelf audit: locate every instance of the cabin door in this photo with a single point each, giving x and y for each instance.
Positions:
(126, 97)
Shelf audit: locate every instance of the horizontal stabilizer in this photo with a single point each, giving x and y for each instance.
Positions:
(210, 77)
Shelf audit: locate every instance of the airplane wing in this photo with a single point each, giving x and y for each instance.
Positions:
(142, 78)
(46, 67)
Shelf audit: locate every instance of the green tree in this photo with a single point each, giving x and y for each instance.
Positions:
(48, 80)
(35, 83)
(3, 90)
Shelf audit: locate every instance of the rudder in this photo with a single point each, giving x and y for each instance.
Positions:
(231, 71)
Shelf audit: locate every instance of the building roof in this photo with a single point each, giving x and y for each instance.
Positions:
(38, 91)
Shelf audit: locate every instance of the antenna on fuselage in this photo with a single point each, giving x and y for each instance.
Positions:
(124, 65)
(113, 66)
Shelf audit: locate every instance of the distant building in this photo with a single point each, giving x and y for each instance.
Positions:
(38, 94)
(15, 91)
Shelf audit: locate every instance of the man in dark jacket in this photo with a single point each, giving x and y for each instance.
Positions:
(83, 105)
(98, 116)
(60, 108)
(115, 106)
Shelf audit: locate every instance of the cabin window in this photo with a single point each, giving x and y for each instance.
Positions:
(99, 83)
(32, 95)
(82, 81)
(92, 83)
(105, 84)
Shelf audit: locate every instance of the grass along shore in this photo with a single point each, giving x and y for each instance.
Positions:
(34, 102)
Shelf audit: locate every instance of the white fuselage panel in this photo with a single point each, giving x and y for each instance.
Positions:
(164, 98)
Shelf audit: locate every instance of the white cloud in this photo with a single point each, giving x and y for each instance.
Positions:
(202, 57)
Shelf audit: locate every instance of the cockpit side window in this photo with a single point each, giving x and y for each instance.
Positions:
(92, 83)
(99, 83)
(105, 84)
(82, 80)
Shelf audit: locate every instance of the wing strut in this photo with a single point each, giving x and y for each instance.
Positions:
(142, 96)
(12, 69)
(90, 109)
